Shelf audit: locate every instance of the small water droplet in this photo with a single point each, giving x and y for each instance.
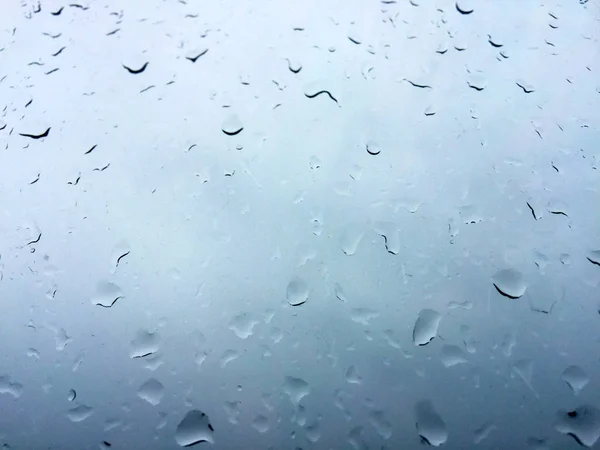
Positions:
(510, 283)
(466, 305)
(537, 443)
(314, 163)
(426, 327)
(391, 236)
(350, 239)
(476, 81)
(354, 37)
(524, 369)
(352, 375)
(430, 426)
(483, 432)
(152, 391)
(373, 148)
(339, 293)
(72, 395)
(297, 292)
(232, 125)
(582, 424)
(295, 388)
(228, 356)
(33, 353)
(80, 413)
(452, 355)
(363, 316)
(575, 378)
(593, 256)
(193, 429)
(527, 88)
(233, 411)
(429, 111)
(118, 255)
(261, 423)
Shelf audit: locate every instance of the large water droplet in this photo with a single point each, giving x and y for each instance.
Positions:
(295, 388)
(193, 429)
(426, 326)
(430, 426)
(582, 424)
(232, 125)
(510, 283)
(381, 424)
(80, 413)
(152, 391)
(10, 387)
(107, 294)
(242, 325)
(297, 292)
(452, 355)
(575, 378)
(144, 344)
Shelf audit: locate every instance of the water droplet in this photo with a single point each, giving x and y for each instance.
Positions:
(469, 214)
(429, 111)
(295, 388)
(153, 362)
(426, 326)
(350, 239)
(111, 424)
(466, 305)
(243, 325)
(294, 66)
(317, 89)
(232, 125)
(144, 344)
(537, 443)
(356, 440)
(483, 432)
(72, 395)
(476, 81)
(107, 294)
(382, 425)
(80, 413)
(297, 292)
(582, 424)
(363, 315)
(121, 250)
(391, 236)
(152, 391)
(575, 378)
(339, 293)
(452, 355)
(373, 148)
(62, 339)
(313, 431)
(352, 376)
(593, 256)
(233, 411)
(354, 37)
(33, 353)
(261, 424)
(557, 207)
(510, 283)
(193, 429)
(228, 356)
(430, 426)
(10, 387)
(314, 163)
(527, 88)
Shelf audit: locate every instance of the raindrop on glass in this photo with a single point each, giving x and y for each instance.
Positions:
(430, 425)
(80, 413)
(510, 283)
(297, 292)
(582, 424)
(193, 429)
(232, 125)
(152, 391)
(426, 327)
(575, 378)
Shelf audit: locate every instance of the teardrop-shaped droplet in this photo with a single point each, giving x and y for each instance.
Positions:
(575, 378)
(193, 429)
(426, 327)
(430, 425)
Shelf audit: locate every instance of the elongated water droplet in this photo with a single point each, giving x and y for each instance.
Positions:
(193, 429)
(152, 391)
(80, 413)
(593, 256)
(350, 239)
(430, 426)
(582, 424)
(575, 378)
(483, 432)
(339, 293)
(510, 283)
(297, 292)
(524, 369)
(426, 326)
